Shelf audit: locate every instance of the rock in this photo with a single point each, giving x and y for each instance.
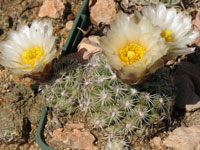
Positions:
(183, 138)
(89, 46)
(193, 107)
(86, 49)
(74, 138)
(157, 142)
(192, 118)
(21, 109)
(197, 147)
(103, 11)
(52, 8)
(12, 127)
(24, 103)
(187, 82)
(68, 25)
(35, 111)
(74, 126)
(20, 95)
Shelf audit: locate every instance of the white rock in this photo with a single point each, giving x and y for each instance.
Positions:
(184, 138)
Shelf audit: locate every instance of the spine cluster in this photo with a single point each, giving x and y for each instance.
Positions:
(108, 104)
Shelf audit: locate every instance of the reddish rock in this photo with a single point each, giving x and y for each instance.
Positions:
(68, 25)
(103, 11)
(52, 8)
(89, 46)
(184, 138)
(74, 138)
(74, 126)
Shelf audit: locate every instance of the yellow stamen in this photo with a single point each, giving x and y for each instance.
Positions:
(131, 53)
(167, 34)
(30, 55)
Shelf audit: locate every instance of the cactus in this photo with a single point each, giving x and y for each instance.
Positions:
(168, 3)
(130, 6)
(116, 144)
(65, 92)
(107, 103)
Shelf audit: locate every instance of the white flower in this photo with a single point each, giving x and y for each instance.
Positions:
(133, 49)
(28, 49)
(176, 28)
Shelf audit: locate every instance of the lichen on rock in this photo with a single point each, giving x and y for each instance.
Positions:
(16, 116)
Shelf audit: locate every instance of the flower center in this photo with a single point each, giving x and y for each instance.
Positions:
(29, 56)
(167, 34)
(131, 53)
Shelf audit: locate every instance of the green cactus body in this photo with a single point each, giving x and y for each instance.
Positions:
(109, 104)
(116, 144)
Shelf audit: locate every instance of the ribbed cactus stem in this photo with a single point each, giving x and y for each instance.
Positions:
(108, 104)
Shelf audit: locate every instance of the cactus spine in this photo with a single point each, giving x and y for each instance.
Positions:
(107, 103)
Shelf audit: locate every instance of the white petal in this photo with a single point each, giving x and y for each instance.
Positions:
(170, 19)
(142, 33)
(38, 35)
